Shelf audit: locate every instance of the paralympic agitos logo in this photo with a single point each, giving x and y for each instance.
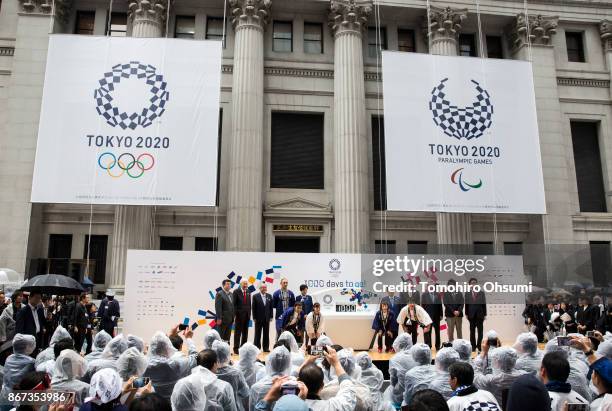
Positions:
(134, 165)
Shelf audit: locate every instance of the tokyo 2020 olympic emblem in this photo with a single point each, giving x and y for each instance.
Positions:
(156, 104)
(334, 264)
(126, 163)
(466, 122)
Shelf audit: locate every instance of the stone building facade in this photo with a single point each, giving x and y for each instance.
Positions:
(315, 57)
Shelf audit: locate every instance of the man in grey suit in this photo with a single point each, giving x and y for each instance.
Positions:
(224, 309)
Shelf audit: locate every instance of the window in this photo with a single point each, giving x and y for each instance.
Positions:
(59, 253)
(118, 24)
(84, 22)
(282, 40)
(297, 244)
(378, 163)
(297, 151)
(171, 243)
(384, 246)
(376, 42)
(600, 262)
(587, 160)
(97, 252)
(467, 45)
(513, 248)
(494, 47)
(405, 40)
(206, 244)
(483, 248)
(313, 38)
(184, 27)
(575, 46)
(214, 29)
(417, 247)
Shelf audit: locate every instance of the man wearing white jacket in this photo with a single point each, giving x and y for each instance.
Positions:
(554, 372)
(410, 317)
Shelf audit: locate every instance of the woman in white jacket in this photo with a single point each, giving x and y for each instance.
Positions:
(315, 325)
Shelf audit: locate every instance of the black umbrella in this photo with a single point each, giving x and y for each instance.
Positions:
(56, 284)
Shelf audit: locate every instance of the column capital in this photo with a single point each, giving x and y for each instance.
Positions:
(444, 23)
(62, 8)
(152, 11)
(537, 30)
(605, 29)
(250, 12)
(349, 15)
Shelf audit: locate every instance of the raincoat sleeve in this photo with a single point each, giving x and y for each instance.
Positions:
(345, 399)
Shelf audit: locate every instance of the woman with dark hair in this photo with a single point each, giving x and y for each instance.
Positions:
(385, 326)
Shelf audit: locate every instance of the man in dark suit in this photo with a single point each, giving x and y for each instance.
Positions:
(242, 311)
(81, 322)
(432, 303)
(31, 319)
(108, 313)
(476, 313)
(262, 315)
(224, 309)
(453, 311)
(282, 300)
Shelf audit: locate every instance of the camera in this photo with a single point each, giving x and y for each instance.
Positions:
(563, 341)
(317, 350)
(140, 382)
(290, 388)
(578, 406)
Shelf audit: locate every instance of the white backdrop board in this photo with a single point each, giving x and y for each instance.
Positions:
(164, 288)
(461, 135)
(129, 121)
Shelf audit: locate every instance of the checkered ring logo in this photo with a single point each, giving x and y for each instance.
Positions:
(113, 114)
(466, 122)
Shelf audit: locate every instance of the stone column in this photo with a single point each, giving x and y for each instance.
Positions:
(444, 28)
(244, 209)
(348, 19)
(605, 28)
(133, 225)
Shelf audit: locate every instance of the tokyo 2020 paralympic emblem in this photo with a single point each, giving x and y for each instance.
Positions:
(466, 122)
(156, 105)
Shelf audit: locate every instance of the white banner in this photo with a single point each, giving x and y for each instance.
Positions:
(164, 288)
(129, 121)
(461, 135)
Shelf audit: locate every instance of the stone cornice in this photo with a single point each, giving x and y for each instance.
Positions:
(349, 15)
(250, 13)
(605, 30)
(298, 206)
(45, 7)
(583, 82)
(152, 10)
(303, 72)
(537, 30)
(444, 22)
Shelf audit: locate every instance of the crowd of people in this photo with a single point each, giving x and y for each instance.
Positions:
(303, 370)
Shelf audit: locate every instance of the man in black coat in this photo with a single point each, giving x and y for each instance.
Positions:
(586, 316)
(108, 312)
(31, 319)
(80, 322)
(432, 303)
(262, 315)
(453, 311)
(224, 309)
(476, 313)
(242, 311)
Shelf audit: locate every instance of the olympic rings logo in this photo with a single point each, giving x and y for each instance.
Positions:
(134, 167)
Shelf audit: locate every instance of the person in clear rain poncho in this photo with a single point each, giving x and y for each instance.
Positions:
(444, 359)
(464, 349)
(219, 394)
(297, 356)
(248, 364)
(210, 337)
(47, 354)
(399, 365)
(503, 361)
(420, 376)
(17, 364)
(231, 374)
(278, 364)
(100, 341)
(136, 342)
(110, 354)
(132, 363)
(104, 391)
(605, 349)
(163, 370)
(578, 369)
(69, 368)
(530, 358)
(371, 377)
(189, 394)
(349, 364)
